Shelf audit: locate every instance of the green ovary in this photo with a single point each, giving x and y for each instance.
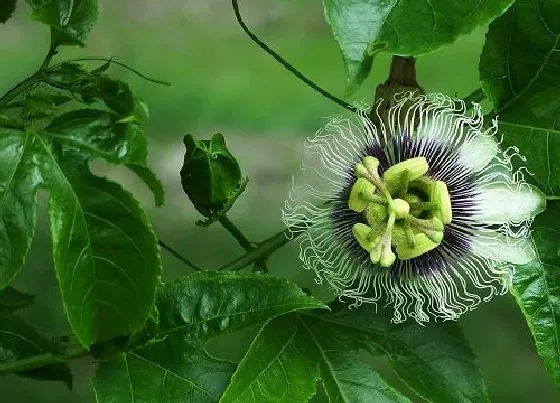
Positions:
(404, 212)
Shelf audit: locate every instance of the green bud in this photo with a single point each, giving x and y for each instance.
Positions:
(210, 176)
(422, 244)
(358, 200)
(441, 196)
(415, 168)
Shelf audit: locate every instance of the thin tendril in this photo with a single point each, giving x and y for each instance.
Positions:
(126, 66)
(287, 65)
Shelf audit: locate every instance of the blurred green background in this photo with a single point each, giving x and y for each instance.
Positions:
(222, 82)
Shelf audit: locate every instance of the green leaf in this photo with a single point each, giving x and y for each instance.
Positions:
(205, 304)
(519, 73)
(105, 252)
(345, 377)
(285, 359)
(363, 28)
(151, 180)
(70, 20)
(191, 310)
(168, 371)
(209, 303)
(18, 340)
(7, 8)
(11, 300)
(19, 179)
(210, 175)
(276, 367)
(435, 360)
(102, 134)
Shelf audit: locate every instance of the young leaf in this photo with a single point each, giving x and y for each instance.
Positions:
(191, 310)
(18, 340)
(19, 179)
(70, 20)
(11, 300)
(7, 8)
(520, 76)
(435, 360)
(276, 367)
(363, 28)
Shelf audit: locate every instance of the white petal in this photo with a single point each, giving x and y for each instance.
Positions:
(496, 246)
(477, 152)
(501, 203)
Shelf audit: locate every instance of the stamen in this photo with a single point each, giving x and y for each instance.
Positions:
(441, 196)
(413, 167)
(358, 200)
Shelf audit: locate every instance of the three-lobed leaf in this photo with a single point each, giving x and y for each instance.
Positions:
(435, 360)
(105, 252)
(363, 28)
(191, 310)
(519, 73)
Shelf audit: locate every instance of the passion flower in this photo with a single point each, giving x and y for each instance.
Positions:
(424, 212)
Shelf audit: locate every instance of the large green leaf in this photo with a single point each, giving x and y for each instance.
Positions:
(403, 27)
(70, 20)
(191, 310)
(105, 252)
(276, 368)
(19, 179)
(209, 303)
(435, 360)
(284, 362)
(11, 299)
(519, 72)
(18, 340)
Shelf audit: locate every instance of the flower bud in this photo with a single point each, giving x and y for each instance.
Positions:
(210, 176)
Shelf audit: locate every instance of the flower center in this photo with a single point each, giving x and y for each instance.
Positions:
(404, 212)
